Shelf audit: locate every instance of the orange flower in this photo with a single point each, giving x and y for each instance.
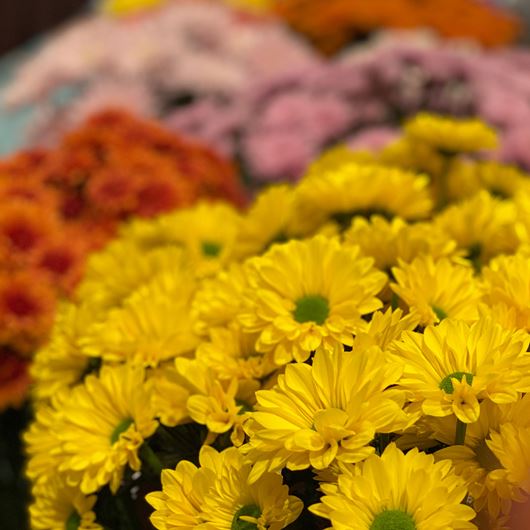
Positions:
(27, 303)
(14, 379)
(332, 24)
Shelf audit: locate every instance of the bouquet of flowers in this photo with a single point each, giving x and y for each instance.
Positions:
(277, 127)
(351, 352)
(160, 59)
(57, 206)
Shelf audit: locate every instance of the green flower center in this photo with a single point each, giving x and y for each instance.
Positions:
(447, 385)
(311, 308)
(393, 520)
(73, 522)
(439, 312)
(252, 510)
(122, 427)
(211, 249)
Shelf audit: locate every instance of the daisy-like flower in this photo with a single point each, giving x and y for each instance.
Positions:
(482, 226)
(61, 363)
(219, 299)
(451, 135)
(329, 411)
(59, 506)
(261, 229)
(451, 368)
(434, 290)
(152, 325)
(352, 189)
(103, 424)
(232, 353)
(390, 241)
(396, 491)
(217, 496)
(307, 294)
(208, 233)
(507, 288)
(495, 460)
(107, 283)
(26, 309)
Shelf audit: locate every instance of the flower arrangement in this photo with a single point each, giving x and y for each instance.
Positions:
(161, 59)
(332, 24)
(351, 352)
(57, 206)
(276, 128)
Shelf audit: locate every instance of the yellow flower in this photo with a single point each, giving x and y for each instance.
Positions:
(352, 189)
(482, 226)
(434, 290)
(413, 156)
(396, 491)
(107, 282)
(252, 5)
(208, 233)
(103, 424)
(219, 299)
(61, 363)
(59, 506)
(231, 353)
(507, 288)
(271, 219)
(307, 294)
(217, 496)
(126, 7)
(153, 324)
(325, 412)
(451, 135)
(452, 367)
(390, 241)
(495, 460)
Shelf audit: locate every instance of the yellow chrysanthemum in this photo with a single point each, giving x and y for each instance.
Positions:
(390, 241)
(61, 363)
(396, 491)
(271, 219)
(153, 324)
(307, 294)
(351, 189)
(103, 424)
(451, 135)
(495, 460)
(467, 178)
(325, 412)
(218, 300)
(126, 7)
(434, 290)
(452, 367)
(59, 506)
(482, 226)
(217, 496)
(259, 6)
(507, 288)
(232, 353)
(107, 282)
(41, 441)
(208, 233)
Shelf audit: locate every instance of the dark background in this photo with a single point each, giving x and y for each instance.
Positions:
(22, 19)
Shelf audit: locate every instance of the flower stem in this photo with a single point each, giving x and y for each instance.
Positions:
(149, 457)
(460, 436)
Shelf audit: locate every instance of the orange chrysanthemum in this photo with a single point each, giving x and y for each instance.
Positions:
(27, 301)
(332, 24)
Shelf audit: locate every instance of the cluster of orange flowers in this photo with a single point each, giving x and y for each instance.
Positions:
(331, 24)
(56, 206)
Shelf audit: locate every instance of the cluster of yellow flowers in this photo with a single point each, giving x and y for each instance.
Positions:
(349, 353)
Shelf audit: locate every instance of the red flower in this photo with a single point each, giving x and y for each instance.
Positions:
(14, 379)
